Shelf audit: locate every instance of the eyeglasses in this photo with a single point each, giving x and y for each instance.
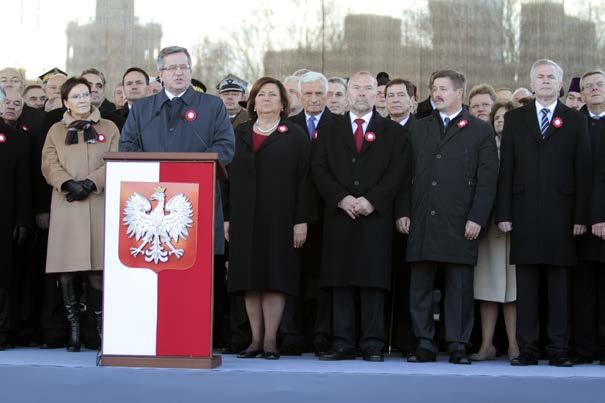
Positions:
(599, 84)
(174, 67)
(78, 97)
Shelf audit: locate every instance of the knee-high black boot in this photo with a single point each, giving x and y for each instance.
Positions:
(72, 308)
(95, 303)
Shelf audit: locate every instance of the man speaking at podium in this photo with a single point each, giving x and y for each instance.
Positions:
(179, 119)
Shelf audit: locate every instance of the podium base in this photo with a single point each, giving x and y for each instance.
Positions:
(160, 362)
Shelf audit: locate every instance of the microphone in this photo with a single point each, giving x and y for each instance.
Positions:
(197, 134)
(155, 115)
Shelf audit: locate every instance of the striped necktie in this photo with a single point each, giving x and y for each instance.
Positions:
(544, 123)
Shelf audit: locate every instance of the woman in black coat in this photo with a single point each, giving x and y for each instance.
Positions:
(267, 212)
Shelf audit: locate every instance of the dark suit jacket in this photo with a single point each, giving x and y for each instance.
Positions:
(544, 184)
(358, 252)
(454, 179)
(590, 246)
(301, 120)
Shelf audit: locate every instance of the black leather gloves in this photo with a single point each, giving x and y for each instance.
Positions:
(75, 190)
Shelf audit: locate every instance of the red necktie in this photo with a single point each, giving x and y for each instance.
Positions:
(359, 134)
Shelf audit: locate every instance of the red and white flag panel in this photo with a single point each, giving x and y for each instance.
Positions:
(158, 259)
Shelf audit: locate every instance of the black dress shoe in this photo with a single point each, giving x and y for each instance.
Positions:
(581, 359)
(422, 355)
(337, 354)
(320, 345)
(602, 361)
(271, 355)
(250, 354)
(373, 355)
(2, 346)
(524, 360)
(560, 361)
(459, 357)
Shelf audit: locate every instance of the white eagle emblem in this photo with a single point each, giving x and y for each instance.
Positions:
(154, 227)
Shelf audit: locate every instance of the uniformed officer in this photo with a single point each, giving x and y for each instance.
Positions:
(232, 91)
(180, 119)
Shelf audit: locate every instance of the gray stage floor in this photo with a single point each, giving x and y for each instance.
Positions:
(33, 375)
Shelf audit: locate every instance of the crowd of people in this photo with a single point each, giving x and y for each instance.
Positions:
(356, 217)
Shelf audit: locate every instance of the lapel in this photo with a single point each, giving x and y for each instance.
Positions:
(346, 131)
(531, 120)
(435, 127)
(375, 125)
(245, 133)
(325, 117)
(559, 112)
(275, 136)
(453, 128)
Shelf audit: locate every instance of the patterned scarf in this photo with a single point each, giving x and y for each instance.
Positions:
(90, 134)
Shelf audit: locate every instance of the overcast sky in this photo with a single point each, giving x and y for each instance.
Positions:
(37, 27)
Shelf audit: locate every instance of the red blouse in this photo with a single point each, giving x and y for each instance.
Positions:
(257, 140)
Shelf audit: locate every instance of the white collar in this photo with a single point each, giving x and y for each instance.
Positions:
(317, 117)
(593, 115)
(404, 120)
(366, 118)
(451, 117)
(550, 107)
(171, 95)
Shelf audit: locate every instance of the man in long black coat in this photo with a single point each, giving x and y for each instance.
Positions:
(543, 197)
(588, 291)
(455, 170)
(310, 315)
(358, 164)
(15, 207)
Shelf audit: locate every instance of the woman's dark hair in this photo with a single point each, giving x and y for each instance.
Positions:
(70, 84)
(283, 94)
(508, 105)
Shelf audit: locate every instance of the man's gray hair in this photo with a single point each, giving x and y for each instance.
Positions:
(294, 79)
(311, 77)
(546, 62)
(588, 74)
(170, 50)
(2, 94)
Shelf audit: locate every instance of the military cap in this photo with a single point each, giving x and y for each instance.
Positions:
(231, 83)
(55, 70)
(198, 85)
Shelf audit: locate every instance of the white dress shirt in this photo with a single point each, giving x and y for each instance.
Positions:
(452, 116)
(551, 110)
(366, 120)
(170, 95)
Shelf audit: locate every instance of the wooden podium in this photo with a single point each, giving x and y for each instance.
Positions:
(159, 259)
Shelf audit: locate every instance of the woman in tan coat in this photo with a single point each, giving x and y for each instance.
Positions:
(495, 280)
(72, 163)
